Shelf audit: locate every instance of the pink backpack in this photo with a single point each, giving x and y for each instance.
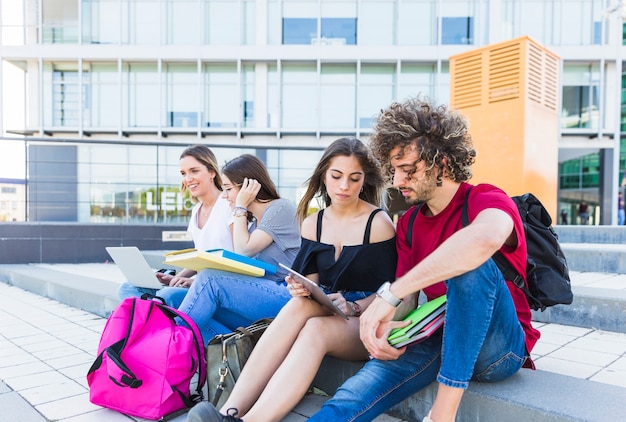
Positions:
(146, 361)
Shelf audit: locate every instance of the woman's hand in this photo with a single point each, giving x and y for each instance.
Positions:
(295, 288)
(340, 302)
(179, 281)
(164, 278)
(247, 193)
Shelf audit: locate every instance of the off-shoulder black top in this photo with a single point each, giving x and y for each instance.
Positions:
(359, 267)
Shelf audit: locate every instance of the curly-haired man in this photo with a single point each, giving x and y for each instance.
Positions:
(487, 336)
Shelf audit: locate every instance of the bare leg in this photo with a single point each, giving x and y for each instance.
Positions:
(446, 404)
(270, 351)
(320, 336)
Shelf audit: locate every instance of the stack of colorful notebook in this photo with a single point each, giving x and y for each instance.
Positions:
(425, 320)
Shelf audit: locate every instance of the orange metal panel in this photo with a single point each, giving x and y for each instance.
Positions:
(509, 93)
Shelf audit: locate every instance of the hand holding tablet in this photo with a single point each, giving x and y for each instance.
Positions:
(316, 292)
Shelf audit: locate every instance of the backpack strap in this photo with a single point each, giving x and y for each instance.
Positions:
(503, 264)
(409, 231)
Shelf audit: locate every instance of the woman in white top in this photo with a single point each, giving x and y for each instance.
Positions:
(266, 228)
(210, 225)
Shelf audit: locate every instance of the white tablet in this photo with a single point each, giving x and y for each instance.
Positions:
(316, 292)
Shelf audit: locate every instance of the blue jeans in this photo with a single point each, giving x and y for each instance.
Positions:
(220, 301)
(173, 296)
(482, 340)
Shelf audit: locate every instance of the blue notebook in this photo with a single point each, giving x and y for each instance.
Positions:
(269, 268)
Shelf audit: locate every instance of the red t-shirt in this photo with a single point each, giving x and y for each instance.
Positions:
(431, 231)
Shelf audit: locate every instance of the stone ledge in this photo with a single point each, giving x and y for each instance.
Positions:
(536, 396)
(595, 257)
(90, 294)
(593, 307)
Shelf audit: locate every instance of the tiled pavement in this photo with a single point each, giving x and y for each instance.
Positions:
(46, 348)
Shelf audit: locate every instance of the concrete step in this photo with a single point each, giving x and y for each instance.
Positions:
(599, 298)
(595, 257)
(592, 234)
(529, 395)
(537, 396)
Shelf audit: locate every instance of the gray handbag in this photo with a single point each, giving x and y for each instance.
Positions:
(226, 355)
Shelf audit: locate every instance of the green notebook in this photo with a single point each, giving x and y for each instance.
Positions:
(419, 317)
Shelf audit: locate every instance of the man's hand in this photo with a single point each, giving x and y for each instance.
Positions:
(375, 325)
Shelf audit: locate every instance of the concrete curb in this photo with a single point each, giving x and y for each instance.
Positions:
(537, 396)
(595, 257)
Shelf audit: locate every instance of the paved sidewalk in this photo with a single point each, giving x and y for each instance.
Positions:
(46, 348)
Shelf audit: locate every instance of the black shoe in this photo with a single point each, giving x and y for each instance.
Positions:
(206, 412)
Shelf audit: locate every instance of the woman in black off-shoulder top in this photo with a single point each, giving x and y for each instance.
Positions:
(348, 248)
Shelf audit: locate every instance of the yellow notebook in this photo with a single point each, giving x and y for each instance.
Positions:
(196, 260)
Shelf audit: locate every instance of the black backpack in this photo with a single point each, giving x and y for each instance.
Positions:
(546, 268)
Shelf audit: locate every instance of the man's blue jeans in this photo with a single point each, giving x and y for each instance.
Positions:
(220, 301)
(482, 340)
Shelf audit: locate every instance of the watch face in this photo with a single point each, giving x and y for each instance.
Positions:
(383, 287)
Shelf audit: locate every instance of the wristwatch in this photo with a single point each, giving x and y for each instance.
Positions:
(384, 293)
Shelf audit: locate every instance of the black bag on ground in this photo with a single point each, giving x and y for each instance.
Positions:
(226, 356)
(547, 273)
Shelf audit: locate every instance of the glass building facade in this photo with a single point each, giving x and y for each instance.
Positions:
(111, 91)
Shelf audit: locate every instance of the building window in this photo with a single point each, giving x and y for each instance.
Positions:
(141, 22)
(101, 23)
(581, 22)
(580, 108)
(59, 21)
(376, 22)
(221, 95)
(222, 19)
(299, 30)
(580, 173)
(337, 23)
(457, 30)
(249, 95)
(417, 23)
(337, 96)
(597, 33)
(8, 190)
(64, 96)
(540, 20)
(183, 22)
(105, 96)
(376, 88)
(183, 95)
(140, 95)
(338, 31)
(274, 92)
(299, 96)
(416, 78)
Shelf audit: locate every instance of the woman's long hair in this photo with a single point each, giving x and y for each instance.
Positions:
(249, 166)
(373, 182)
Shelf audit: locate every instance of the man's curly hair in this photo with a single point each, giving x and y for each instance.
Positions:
(435, 131)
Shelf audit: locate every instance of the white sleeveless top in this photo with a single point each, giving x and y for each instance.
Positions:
(216, 232)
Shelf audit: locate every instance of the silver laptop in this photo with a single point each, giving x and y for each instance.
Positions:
(134, 266)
